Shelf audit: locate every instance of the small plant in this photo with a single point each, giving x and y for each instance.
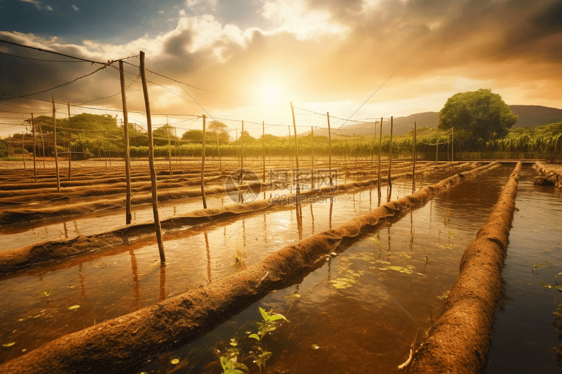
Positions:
(451, 234)
(46, 293)
(239, 256)
(377, 242)
(261, 357)
(229, 361)
(542, 266)
(447, 217)
(268, 324)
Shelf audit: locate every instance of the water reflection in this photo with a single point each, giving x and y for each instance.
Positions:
(162, 282)
(134, 269)
(208, 257)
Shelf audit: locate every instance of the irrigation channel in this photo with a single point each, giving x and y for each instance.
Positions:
(356, 310)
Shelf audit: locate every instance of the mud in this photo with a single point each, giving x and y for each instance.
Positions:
(549, 176)
(43, 253)
(459, 341)
(122, 343)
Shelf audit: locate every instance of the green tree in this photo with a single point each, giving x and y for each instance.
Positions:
(194, 136)
(482, 114)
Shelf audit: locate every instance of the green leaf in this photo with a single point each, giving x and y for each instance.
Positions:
(264, 314)
(175, 361)
(277, 317)
(254, 336)
(73, 307)
(8, 345)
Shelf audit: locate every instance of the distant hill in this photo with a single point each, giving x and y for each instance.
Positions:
(529, 115)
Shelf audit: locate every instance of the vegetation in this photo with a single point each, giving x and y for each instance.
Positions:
(479, 115)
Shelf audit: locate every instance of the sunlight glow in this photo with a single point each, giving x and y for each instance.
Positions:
(271, 94)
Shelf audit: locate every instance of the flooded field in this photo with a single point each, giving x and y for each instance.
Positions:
(359, 310)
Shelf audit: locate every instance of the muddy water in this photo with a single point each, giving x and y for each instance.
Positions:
(360, 311)
(527, 336)
(35, 303)
(20, 235)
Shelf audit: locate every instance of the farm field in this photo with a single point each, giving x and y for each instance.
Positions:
(390, 281)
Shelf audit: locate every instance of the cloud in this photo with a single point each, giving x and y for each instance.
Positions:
(37, 4)
(332, 54)
(160, 12)
(200, 6)
(75, 8)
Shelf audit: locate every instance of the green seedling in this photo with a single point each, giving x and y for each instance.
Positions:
(261, 357)
(545, 285)
(268, 324)
(45, 292)
(229, 361)
(451, 234)
(542, 266)
(239, 256)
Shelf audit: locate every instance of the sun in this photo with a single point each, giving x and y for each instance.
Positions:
(271, 94)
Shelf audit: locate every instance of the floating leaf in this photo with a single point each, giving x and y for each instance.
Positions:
(175, 361)
(73, 307)
(315, 346)
(8, 344)
(254, 336)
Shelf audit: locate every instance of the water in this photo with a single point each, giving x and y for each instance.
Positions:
(115, 282)
(398, 277)
(526, 337)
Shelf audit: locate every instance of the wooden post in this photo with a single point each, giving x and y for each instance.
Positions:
(290, 148)
(329, 148)
(380, 151)
(128, 216)
(23, 148)
(263, 137)
(55, 142)
(414, 152)
(203, 164)
(373, 149)
(219, 148)
(390, 146)
(437, 151)
(241, 152)
(452, 144)
(43, 144)
(237, 150)
(34, 149)
(170, 153)
(312, 154)
(296, 153)
(151, 162)
(69, 144)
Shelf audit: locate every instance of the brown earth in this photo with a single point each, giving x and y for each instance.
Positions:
(122, 343)
(459, 341)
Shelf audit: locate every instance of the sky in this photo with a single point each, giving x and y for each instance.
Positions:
(248, 60)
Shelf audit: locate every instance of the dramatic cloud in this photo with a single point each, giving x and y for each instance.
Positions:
(322, 54)
(37, 4)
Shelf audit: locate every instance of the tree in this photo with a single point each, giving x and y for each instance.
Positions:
(194, 136)
(214, 128)
(162, 134)
(481, 114)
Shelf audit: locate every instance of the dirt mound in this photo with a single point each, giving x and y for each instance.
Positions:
(459, 341)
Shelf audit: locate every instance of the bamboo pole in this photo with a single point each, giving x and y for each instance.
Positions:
(55, 143)
(296, 153)
(241, 152)
(69, 144)
(151, 162)
(380, 151)
(390, 146)
(34, 149)
(312, 154)
(373, 149)
(452, 144)
(263, 138)
(414, 153)
(170, 153)
(23, 149)
(329, 148)
(203, 164)
(219, 148)
(43, 144)
(290, 148)
(128, 216)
